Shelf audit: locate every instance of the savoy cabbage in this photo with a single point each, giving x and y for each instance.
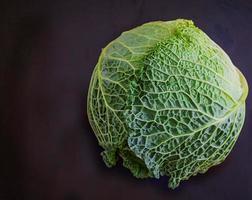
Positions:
(166, 99)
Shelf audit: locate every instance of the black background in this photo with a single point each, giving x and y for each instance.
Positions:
(48, 51)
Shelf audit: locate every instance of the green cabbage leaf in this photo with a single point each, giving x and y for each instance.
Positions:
(167, 100)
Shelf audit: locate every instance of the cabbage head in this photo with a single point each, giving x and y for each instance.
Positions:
(166, 100)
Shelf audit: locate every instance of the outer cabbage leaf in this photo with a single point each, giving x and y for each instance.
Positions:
(167, 100)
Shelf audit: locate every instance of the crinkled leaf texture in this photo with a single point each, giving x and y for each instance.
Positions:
(167, 100)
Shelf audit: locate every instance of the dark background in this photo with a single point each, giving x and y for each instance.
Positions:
(48, 51)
